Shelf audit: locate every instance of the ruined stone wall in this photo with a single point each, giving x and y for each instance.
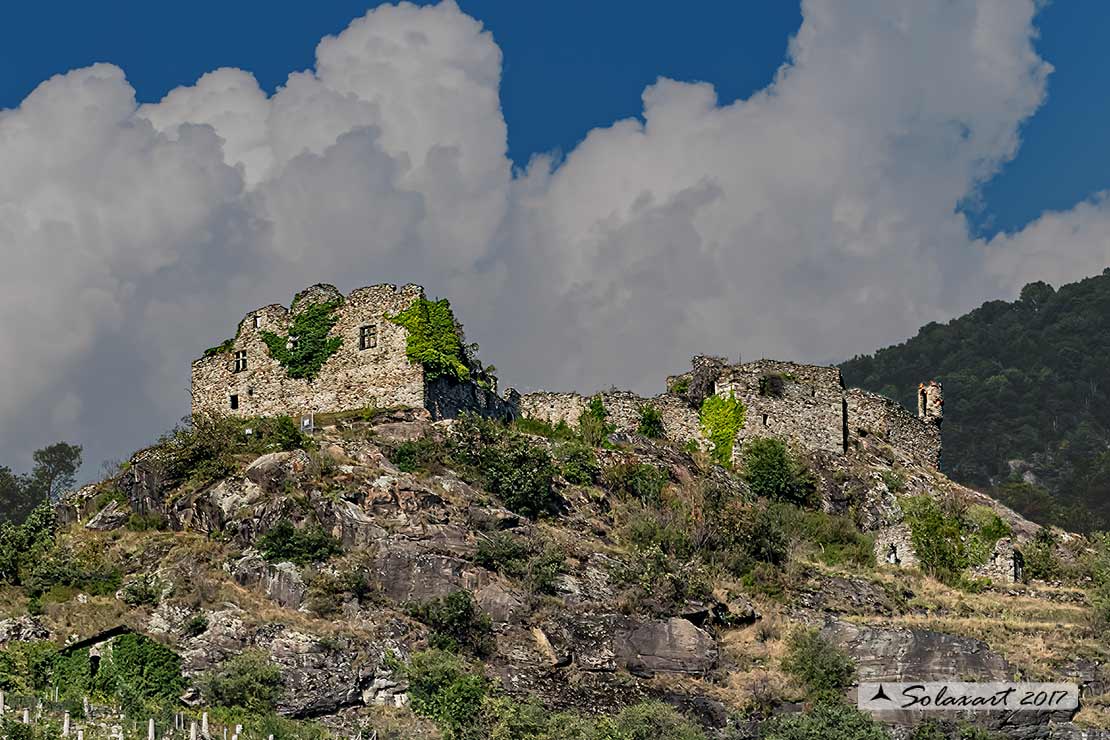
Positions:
(446, 398)
(873, 417)
(1004, 565)
(350, 379)
(802, 404)
(894, 546)
(680, 422)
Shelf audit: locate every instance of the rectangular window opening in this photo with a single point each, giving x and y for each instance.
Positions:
(234, 401)
(257, 321)
(240, 361)
(765, 420)
(368, 336)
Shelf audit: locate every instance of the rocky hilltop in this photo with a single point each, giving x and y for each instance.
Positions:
(476, 578)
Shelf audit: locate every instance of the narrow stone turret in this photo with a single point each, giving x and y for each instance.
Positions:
(930, 402)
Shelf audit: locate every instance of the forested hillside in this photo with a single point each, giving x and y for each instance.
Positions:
(1027, 397)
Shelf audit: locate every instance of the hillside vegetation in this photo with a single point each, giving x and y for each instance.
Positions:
(472, 579)
(1027, 398)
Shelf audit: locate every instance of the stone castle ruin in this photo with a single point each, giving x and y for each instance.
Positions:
(352, 354)
(805, 405)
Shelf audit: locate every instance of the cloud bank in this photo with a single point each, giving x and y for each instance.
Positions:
(816, 219)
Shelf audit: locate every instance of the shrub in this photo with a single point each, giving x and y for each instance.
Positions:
(249, 680)
(651, 422)
(771, 471)
(541, 428)
(937, 538)
(434, 339)
(284, 542)
(195, 625)
(456, 623)
(519, 473)
(22, 546)
(577, 463)
(639, 480)
(654, 720)
(592, 425)
(443, 688)
(426, 453)
(1041, 562)
(680, 386)
(763, 537)
(146, 522)
(822, 668)
(312, 348)
(836, 539)
(143, 590)
(721, 419)
(825, 722)
(504, 552)
(204, 447)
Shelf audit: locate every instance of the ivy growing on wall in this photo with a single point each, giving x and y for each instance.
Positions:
(312, 346)
(721, 419)
(435, 339)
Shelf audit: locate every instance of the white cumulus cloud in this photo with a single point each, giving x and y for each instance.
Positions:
(818, 218)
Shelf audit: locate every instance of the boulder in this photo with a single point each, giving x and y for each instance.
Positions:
(112, 516)
(673, 645)
(281, 582)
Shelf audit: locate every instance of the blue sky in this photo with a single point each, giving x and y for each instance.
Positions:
(571, 66)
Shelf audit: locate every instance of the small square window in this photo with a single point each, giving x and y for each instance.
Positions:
(368, 336)
(234, 401)
(240, 361)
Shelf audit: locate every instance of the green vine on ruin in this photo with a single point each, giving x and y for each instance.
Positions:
(722, 418)
(312, 347)
(434, 339)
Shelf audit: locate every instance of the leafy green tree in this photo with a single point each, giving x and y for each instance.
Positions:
(250, 680)
(1024, 381)
(55, 469)
(772, 471)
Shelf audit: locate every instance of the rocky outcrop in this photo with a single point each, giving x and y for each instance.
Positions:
(22, 629)
(281, 582)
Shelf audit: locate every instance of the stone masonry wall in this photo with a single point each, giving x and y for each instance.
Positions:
(894, 546)
(680, 422)
(350, 379)
(871, 416)
(802, 404)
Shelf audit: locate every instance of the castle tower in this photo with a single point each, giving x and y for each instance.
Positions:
(930, 402)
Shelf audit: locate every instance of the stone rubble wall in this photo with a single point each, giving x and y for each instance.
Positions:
(899, 537)
(446, 399)
(680, 422)
(1000, 566)
(871, 416)
(808, 413)
(381, 376)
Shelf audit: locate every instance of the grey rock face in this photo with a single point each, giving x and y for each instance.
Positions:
(281, 582)
(22, 629)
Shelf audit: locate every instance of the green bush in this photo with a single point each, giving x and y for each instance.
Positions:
(145, 589)
(205, 447)
(456, 623)
(836, 540)
(1041, 562)
(651, 422)
(680, 386)
(593, 429)
(642, 481)
(443, 688)
(540, 428)
(721, 419)
(142, 673)
(653, 720)
(937, 537)
(822, 668)
(824, 722)
(148, 522)
(538, 565)
(763, 538)
(284, 542)
(311, 326)
(249, 680)
(195, 625)
(434, 339)
(577, 463)
(60, 568)
(520, 473)
(23, 546)
(425, 454)
(771, 471)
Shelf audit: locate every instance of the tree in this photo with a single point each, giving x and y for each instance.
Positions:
(55, 469)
